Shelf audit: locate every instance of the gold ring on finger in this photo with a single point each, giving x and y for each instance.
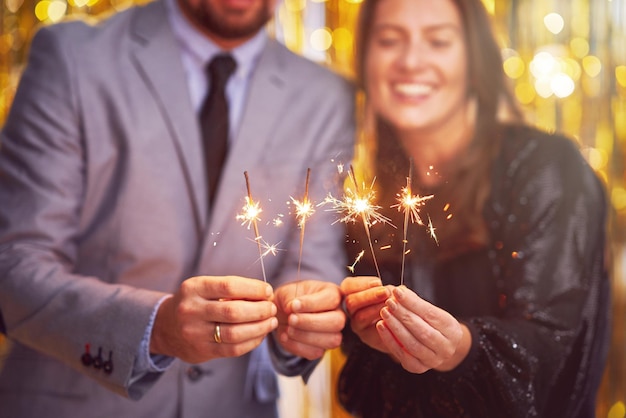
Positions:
(217, 333)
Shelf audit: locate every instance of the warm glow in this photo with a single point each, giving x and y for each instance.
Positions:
(571, 68)
(620, 75)
(321, 39)
(595, 157)
(579, 47)
(41, 10)
(554, 22)
(342, 39)
(592, 65)
(543, 87)
(617, 411)
(514, 67)
(295, 5)
(618, 198)
(13, 5)
(562, 85)
(525, 93)
(490, 5)
(543, 64)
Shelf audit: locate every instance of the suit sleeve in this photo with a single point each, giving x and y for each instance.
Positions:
(45, 304)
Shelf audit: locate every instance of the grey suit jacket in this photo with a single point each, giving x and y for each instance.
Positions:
(103, 211)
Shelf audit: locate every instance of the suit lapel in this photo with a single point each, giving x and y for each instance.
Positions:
(158, 61)
(266, 98)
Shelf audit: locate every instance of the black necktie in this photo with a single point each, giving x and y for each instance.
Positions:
(214, 120)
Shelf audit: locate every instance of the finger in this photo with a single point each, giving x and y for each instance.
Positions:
(360, 300)
(397, 350)
(415, 346)
(331, 321)
(241, 333)
(366, 317)
(435, 317)
(310, 341)
(357, 284)
(324, 298)
(227, 287)
(234, 350)
(300, 349)
(238, 311)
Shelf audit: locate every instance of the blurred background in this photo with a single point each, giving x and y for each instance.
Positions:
(566, 60)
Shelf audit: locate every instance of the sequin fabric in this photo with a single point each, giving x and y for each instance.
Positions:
(536, 300)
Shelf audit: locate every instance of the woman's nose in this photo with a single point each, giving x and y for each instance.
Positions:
(413, 57)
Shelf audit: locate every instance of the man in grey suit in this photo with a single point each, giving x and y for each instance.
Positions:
(124, 290)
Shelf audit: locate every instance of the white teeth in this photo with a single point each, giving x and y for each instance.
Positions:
(412, 89)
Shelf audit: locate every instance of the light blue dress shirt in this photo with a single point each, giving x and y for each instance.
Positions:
(196, 52)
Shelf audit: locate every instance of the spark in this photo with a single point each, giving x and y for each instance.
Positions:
(250, 217)
(269, 248)
(249, 213)
(410, 204)
(358, 258)
(358, 203)
(431, 230)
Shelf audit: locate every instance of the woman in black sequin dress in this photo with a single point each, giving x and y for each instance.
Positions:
(506, 314)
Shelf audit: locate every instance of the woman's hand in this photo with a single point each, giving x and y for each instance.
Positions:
(420, 335)
(364, 297)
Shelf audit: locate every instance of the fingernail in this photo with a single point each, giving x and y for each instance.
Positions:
(284, 337)
(381, 292)
(296, 305)
(398, 292)
(380, 325)
(293, 320)
(375, 282)
(274, 323)
(384, 313)
(268, 290)
(391, 304)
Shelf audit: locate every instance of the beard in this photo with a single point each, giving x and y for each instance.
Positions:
(231, 24)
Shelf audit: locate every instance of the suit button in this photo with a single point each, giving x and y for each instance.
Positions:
(194, 373)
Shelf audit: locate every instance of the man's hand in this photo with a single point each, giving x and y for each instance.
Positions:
(185, 323)
(310, 317)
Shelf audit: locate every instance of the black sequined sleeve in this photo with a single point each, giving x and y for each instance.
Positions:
(543, 353)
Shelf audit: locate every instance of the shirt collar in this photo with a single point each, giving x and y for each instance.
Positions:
(201, 49)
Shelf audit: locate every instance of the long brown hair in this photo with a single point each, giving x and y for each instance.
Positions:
(467, 188)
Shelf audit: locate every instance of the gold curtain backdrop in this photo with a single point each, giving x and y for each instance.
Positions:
(566, 61)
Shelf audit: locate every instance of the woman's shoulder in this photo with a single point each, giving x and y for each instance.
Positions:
(532, 158)
(525, 140)
(526, 149)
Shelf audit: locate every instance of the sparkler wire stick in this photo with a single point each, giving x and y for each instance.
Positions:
(409, 203)
(408, 192)
(304, 209)
(253, 220)
(366, 223)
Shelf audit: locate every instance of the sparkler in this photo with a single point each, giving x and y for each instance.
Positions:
(358, 203)
(250, 217)
(304, 209)
(410, 203)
